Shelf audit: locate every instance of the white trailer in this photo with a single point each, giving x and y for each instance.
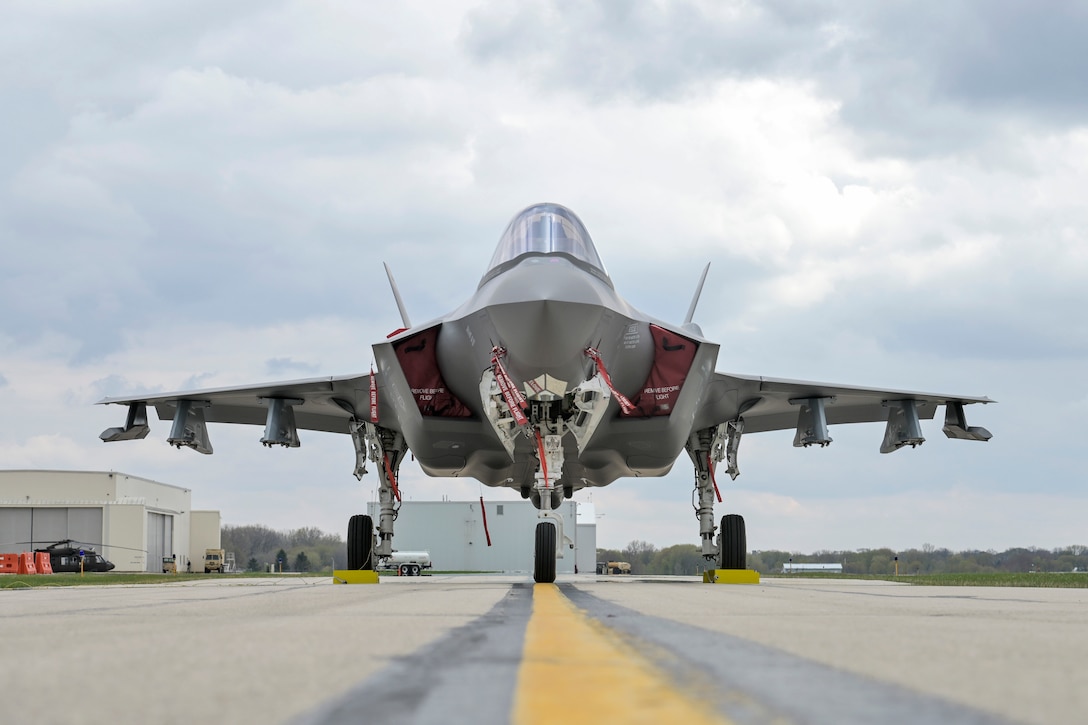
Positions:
(406, 563)
(791, 568)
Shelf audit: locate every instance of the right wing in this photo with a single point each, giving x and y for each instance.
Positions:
(326, 404)
(766, 404)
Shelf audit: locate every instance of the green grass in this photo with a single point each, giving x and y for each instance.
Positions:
(990, 579)
(987, 579)
(15, 581)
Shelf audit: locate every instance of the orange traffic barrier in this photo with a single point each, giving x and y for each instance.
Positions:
(26, 564)
(42, 562)
(9, 563)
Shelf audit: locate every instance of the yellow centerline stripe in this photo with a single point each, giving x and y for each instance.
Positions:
(576, 670)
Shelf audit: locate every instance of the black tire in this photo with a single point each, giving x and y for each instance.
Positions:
(415, 570)
(360, 542)
(734, 542)
(544, 564)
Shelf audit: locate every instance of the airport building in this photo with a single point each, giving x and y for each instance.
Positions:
(453, 533)
(133, 522)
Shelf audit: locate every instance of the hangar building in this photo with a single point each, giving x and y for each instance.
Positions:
(453, 533)
(129, 520)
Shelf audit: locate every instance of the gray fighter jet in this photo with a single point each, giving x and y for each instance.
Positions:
(546, 381)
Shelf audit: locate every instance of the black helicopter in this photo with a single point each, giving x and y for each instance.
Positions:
(64, 556)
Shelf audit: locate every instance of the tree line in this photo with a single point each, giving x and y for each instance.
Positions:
(686, 559)
(256, 548)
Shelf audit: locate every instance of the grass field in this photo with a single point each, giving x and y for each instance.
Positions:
(15, 581)
(1077, 580)
(1067, 580)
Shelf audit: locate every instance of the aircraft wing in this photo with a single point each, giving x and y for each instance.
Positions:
(324, 404)
(779, 404)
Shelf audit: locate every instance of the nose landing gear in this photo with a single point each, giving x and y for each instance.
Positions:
(544, 559)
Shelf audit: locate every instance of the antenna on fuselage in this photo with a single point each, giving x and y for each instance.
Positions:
(694, 300)
(400, 302)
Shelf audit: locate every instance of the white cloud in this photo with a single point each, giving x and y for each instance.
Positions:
(180, 206)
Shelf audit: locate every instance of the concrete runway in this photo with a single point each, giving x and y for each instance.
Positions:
(478, 649)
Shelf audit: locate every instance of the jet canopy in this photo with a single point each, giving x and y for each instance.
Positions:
(545, 229)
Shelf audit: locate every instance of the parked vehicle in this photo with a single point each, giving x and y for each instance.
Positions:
(213, 560)
(613, 567)
(406, 563)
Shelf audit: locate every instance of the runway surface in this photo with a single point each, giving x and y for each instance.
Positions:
(449, 649)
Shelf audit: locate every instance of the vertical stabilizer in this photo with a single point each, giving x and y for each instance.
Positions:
(695, 299)
(400, 302)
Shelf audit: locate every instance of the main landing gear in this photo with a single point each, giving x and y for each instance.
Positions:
(707, 447)
(386, 448)
(360, 542)
(734, 544)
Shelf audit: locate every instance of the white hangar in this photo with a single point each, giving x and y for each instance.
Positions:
(133, 522)
(453, 533)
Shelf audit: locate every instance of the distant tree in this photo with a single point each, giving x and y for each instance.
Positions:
(252, 564)
(678, 560)
(281, 561)
(302, 562)
(638, 554)
(881, 564)
(609, 555)
(264, 544)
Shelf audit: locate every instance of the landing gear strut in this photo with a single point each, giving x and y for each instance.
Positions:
(729, 549)
(386, 448)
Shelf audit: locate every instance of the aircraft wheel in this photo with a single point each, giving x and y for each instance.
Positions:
(734, 542)
(360, 542)
(544, 566)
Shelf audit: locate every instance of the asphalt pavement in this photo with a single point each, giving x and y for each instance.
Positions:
(500, 649)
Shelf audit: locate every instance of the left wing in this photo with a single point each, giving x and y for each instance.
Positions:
(325, 404)
(765, 404)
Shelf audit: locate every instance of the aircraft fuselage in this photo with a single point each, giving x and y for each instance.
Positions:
(544, 312)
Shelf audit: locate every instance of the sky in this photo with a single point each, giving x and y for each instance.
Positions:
(890, 194)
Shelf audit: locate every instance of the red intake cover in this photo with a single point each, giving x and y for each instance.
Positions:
(673, 356)
(418, 358)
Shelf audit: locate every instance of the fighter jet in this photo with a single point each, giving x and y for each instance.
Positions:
(546, 381)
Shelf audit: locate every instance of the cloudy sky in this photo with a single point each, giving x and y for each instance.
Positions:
(201, 194)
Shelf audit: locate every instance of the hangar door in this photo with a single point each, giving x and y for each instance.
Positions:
(160, 539)
(19, 526)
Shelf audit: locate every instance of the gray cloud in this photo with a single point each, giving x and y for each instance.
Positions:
(890, 195)
(281, 366)
(913, 82)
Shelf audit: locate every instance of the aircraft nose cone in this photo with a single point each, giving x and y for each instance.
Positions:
(545, 312)
(546, 336)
